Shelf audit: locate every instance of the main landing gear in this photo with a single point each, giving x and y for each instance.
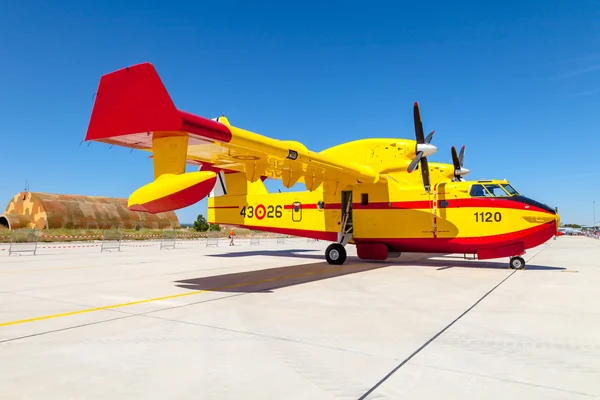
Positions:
(335, 254)
(516, 263)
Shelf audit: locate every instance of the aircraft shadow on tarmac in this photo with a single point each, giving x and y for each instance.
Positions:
(267, 280)
(462, 263)
(419, 259)
(296, 253)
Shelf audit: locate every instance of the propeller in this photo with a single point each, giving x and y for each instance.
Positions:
(423, 149)
(458, 161)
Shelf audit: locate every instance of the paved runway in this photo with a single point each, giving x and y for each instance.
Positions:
(274, 321)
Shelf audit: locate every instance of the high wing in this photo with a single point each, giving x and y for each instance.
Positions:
(133, 109)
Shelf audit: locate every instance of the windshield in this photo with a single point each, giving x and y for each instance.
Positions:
(510, 189)
(488, 190)
(496, 190)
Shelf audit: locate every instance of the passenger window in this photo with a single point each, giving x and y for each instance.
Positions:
(364, 201)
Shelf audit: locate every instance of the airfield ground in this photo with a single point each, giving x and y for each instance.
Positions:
(273, 321)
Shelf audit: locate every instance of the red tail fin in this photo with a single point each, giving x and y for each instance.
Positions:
(133, 100)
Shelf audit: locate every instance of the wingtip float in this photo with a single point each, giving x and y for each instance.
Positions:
(171, 192)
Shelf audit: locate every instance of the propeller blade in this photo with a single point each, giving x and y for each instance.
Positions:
(413, 164)
(425, 173)
(429, 137)
(458, 162)
(418, 124)
(455, 159)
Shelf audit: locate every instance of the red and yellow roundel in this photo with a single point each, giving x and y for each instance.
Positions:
(260, 211)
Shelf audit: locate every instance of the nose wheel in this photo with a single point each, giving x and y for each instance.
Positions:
(516, 263)
(335, 254)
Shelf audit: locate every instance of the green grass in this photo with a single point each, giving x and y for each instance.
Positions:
(71, 235)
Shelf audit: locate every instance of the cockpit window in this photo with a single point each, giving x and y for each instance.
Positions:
(488, 190)
(479, 191)
(496, 190)
(510, 189)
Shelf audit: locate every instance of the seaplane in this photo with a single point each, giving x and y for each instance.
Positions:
(381, 195)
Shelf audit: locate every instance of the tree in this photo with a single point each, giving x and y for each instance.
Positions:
(215, 227)
(200, 225)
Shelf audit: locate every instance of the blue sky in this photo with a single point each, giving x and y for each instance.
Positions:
(518, 82)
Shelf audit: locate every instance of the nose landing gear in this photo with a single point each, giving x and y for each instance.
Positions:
(516, 263)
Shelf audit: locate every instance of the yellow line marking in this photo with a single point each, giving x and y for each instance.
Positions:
(174, 296)
(569, 270)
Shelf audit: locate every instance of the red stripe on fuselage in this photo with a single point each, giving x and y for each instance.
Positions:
(426, 204)
(454, 203)
(493, 203)
(331, 206)
(530, 237)
(403, 205)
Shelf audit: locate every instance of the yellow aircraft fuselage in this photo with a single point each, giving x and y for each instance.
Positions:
(365, 192)
(394, 218)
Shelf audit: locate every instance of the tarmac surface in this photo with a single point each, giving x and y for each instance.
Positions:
(274, 321)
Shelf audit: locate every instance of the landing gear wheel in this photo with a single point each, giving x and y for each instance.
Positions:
(335, 254)
(517, 263)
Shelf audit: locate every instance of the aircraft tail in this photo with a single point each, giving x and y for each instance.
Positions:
(133, 109)
(134, 101)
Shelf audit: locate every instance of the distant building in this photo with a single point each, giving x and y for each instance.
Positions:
(49, 211)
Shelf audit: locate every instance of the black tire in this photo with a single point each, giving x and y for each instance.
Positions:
(517, 263)
(335, 254)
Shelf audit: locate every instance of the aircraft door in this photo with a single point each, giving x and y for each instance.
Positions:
(347, 207)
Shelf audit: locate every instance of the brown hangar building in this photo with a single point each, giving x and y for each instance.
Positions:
(50, 211)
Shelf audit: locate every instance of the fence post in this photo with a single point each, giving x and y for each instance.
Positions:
(212, 241)
(168, 239)
(111, 240)
(23, 241)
